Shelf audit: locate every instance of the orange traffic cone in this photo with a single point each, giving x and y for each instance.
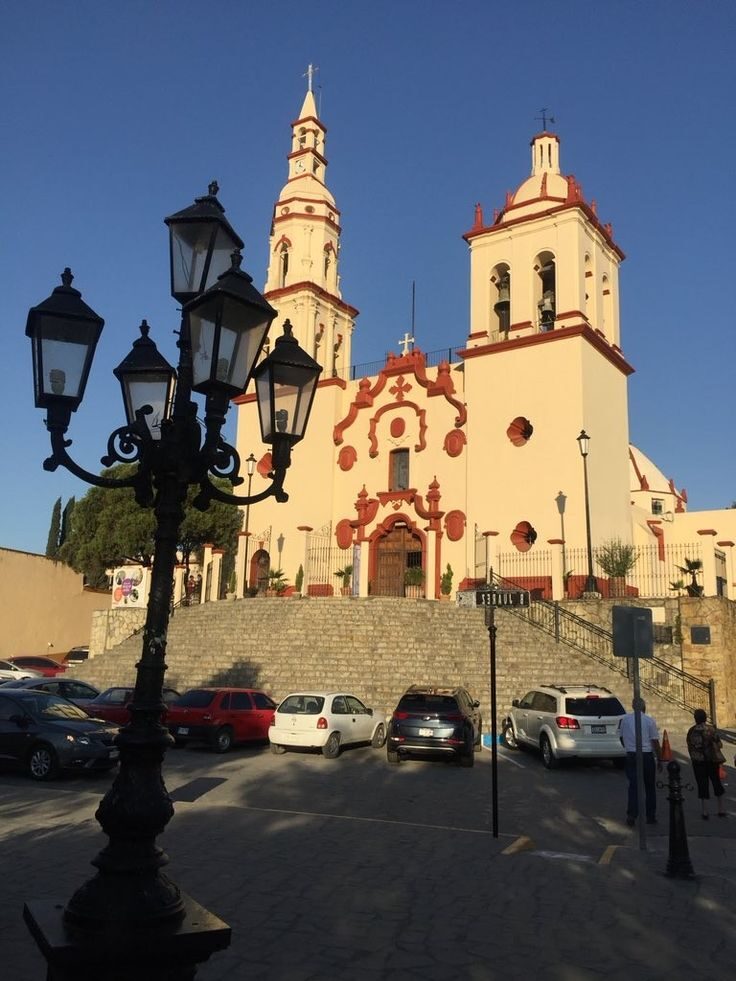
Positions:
(666, 754)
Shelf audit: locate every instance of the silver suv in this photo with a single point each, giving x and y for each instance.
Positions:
(567, 721)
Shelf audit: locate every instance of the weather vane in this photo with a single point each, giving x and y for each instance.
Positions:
(543, 117)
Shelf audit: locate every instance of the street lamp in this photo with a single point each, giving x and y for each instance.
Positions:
(561, 501)
(584, 444)
(250, 464)
(129, 920)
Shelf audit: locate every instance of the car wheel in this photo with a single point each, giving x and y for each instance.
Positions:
(509, 738)
(223, 739)
(548, 757)
(393, 757)
(619, 762)
(43, 764)
(379, 737)
(468, 759)
(331, 748)
(277, 750)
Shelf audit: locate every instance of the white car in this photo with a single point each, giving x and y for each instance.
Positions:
(325, 720)
(11, 672)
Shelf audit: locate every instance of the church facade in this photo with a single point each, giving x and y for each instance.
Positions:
(470, 461)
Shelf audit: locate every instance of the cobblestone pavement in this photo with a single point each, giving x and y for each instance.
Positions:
(348, 869)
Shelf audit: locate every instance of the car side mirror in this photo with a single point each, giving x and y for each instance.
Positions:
(476, 704)
(515, 703)
(369, 711)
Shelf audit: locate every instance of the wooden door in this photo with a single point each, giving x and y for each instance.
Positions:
(395, 552)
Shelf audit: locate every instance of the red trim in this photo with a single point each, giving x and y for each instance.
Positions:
(487, 533)
(277, 294)
(707, 531)
(480, 333)
(725, 544)
(522, 325)
(309, 119)
(555, 541)
(301, 200)
(303, 150)
(588, 274)
(304, 528)
(570, 313)
(309, 215)
(576, 330)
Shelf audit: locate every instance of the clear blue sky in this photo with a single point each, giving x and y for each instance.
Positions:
(114, 115)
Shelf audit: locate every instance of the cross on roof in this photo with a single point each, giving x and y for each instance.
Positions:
(543, 118)
(405, 341)
(309, 75)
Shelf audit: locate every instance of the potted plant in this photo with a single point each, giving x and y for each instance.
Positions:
(446, 583)
(299, 581)
(413, 581)
(276, 582)
(617, 559)
(692, 568)
(346, 576)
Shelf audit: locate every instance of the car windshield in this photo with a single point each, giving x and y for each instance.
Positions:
(45, 706)
(196, 698)
(302, 704)
(427, 702)
(594, 707)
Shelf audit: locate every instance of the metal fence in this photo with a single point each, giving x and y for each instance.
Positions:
(431, 358)
(322, 560)
(532, 570)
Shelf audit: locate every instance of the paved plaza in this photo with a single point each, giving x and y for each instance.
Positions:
(350, 869)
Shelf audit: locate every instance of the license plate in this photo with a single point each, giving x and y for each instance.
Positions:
(426, 732)
(183, 730)
(114, 753)
(598, 729)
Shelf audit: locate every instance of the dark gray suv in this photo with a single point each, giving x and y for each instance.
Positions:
(429, 721)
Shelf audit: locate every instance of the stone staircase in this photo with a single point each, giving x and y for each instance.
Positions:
(375, 647)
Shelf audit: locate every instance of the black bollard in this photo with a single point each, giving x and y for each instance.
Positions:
(679, 865)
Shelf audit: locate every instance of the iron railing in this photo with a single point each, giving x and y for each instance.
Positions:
(431, 359)
(664, 679)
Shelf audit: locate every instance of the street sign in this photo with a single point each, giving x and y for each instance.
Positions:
(501, 597)
(633, 634)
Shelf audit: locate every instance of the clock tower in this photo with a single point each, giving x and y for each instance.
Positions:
(303, 281)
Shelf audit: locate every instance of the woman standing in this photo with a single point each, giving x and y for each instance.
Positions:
(704, 747)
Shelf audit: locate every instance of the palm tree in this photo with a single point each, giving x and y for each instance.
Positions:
(692, 568)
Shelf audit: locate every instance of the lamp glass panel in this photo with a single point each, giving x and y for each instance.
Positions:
(584, 443)
(243, 330)
(202, 331)
(65, 348)
(264, 400)
(151, 389)
(222, 251)
(292, 393)
(190, 243)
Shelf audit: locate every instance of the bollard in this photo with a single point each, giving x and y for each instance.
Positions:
(679, 865)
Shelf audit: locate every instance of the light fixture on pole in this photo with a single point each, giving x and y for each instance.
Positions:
(583, 439)
(250, 464)
(130, 920)
(561, 501)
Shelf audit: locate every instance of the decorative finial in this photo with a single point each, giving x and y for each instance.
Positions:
(144, 328)
(287, 328)
(236, 258)
(213, 188)
(543, 118)
(66, 277)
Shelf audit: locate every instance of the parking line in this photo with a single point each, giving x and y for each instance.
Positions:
(367, 820)
(521, 843)
(607, 855)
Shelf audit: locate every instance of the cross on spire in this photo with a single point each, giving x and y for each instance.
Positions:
(405, 341)
(543, 117)
(309, 75)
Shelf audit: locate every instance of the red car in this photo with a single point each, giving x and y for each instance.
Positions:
(112, 704)
(221, 717)
(45, 666)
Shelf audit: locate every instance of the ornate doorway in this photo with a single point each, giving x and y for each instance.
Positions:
(396, 551)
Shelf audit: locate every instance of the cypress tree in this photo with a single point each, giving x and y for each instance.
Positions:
(66, 521)
(52, 545)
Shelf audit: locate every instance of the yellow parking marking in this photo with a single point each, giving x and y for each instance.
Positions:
(521, 843)
(607, 855)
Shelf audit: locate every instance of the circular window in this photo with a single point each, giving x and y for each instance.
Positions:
(520, 431)
(284, 211)
(523, 536)
(309, 209)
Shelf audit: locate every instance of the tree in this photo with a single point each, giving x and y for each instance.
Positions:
(110, 528)
(52, 543)
(66, 520)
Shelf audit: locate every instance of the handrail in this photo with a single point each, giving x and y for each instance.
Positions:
(664, 679)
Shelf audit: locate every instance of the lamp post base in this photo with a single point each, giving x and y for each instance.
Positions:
(170, 951)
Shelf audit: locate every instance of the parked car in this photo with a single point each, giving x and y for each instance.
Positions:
(77, 655)
(45, 666)
(11, 672)
(78, 692)
(112, 704)
(567, 721)
(434, 720)
(221, 717)
(326, 721)
(45, 734)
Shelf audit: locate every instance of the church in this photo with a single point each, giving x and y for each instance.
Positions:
(452, 462)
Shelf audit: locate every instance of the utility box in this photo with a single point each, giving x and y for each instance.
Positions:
(633, 633)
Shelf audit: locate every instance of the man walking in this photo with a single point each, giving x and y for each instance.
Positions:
(651, 755)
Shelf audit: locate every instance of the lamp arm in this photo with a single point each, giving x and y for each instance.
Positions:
(210, 492)
(60, 458)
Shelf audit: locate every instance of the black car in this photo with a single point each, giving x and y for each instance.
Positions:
(45, 734)
(431, 720)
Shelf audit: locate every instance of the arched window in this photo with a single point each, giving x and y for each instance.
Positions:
(545, 289)
(607, 308)
(302, 138)
(398, 478)
(328, 261)
(284, 264)
(501, 298)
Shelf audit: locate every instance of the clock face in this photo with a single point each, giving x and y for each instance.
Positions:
(299, 166)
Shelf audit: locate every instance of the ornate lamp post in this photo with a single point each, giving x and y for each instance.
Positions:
(130, 920)
(584, 445)
(250, 464)
(561, 501)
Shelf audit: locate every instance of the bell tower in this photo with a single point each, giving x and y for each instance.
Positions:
(303, 280)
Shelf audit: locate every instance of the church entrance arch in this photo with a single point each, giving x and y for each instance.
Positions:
(394, 551)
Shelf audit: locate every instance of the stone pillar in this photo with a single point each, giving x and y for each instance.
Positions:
(363, 577)
(204, 571)
(217, 554)
(709, 561)
(730, 569)
(178, 584)
(558, 568)
(432, 571)
(307, 529)
(491, 553)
